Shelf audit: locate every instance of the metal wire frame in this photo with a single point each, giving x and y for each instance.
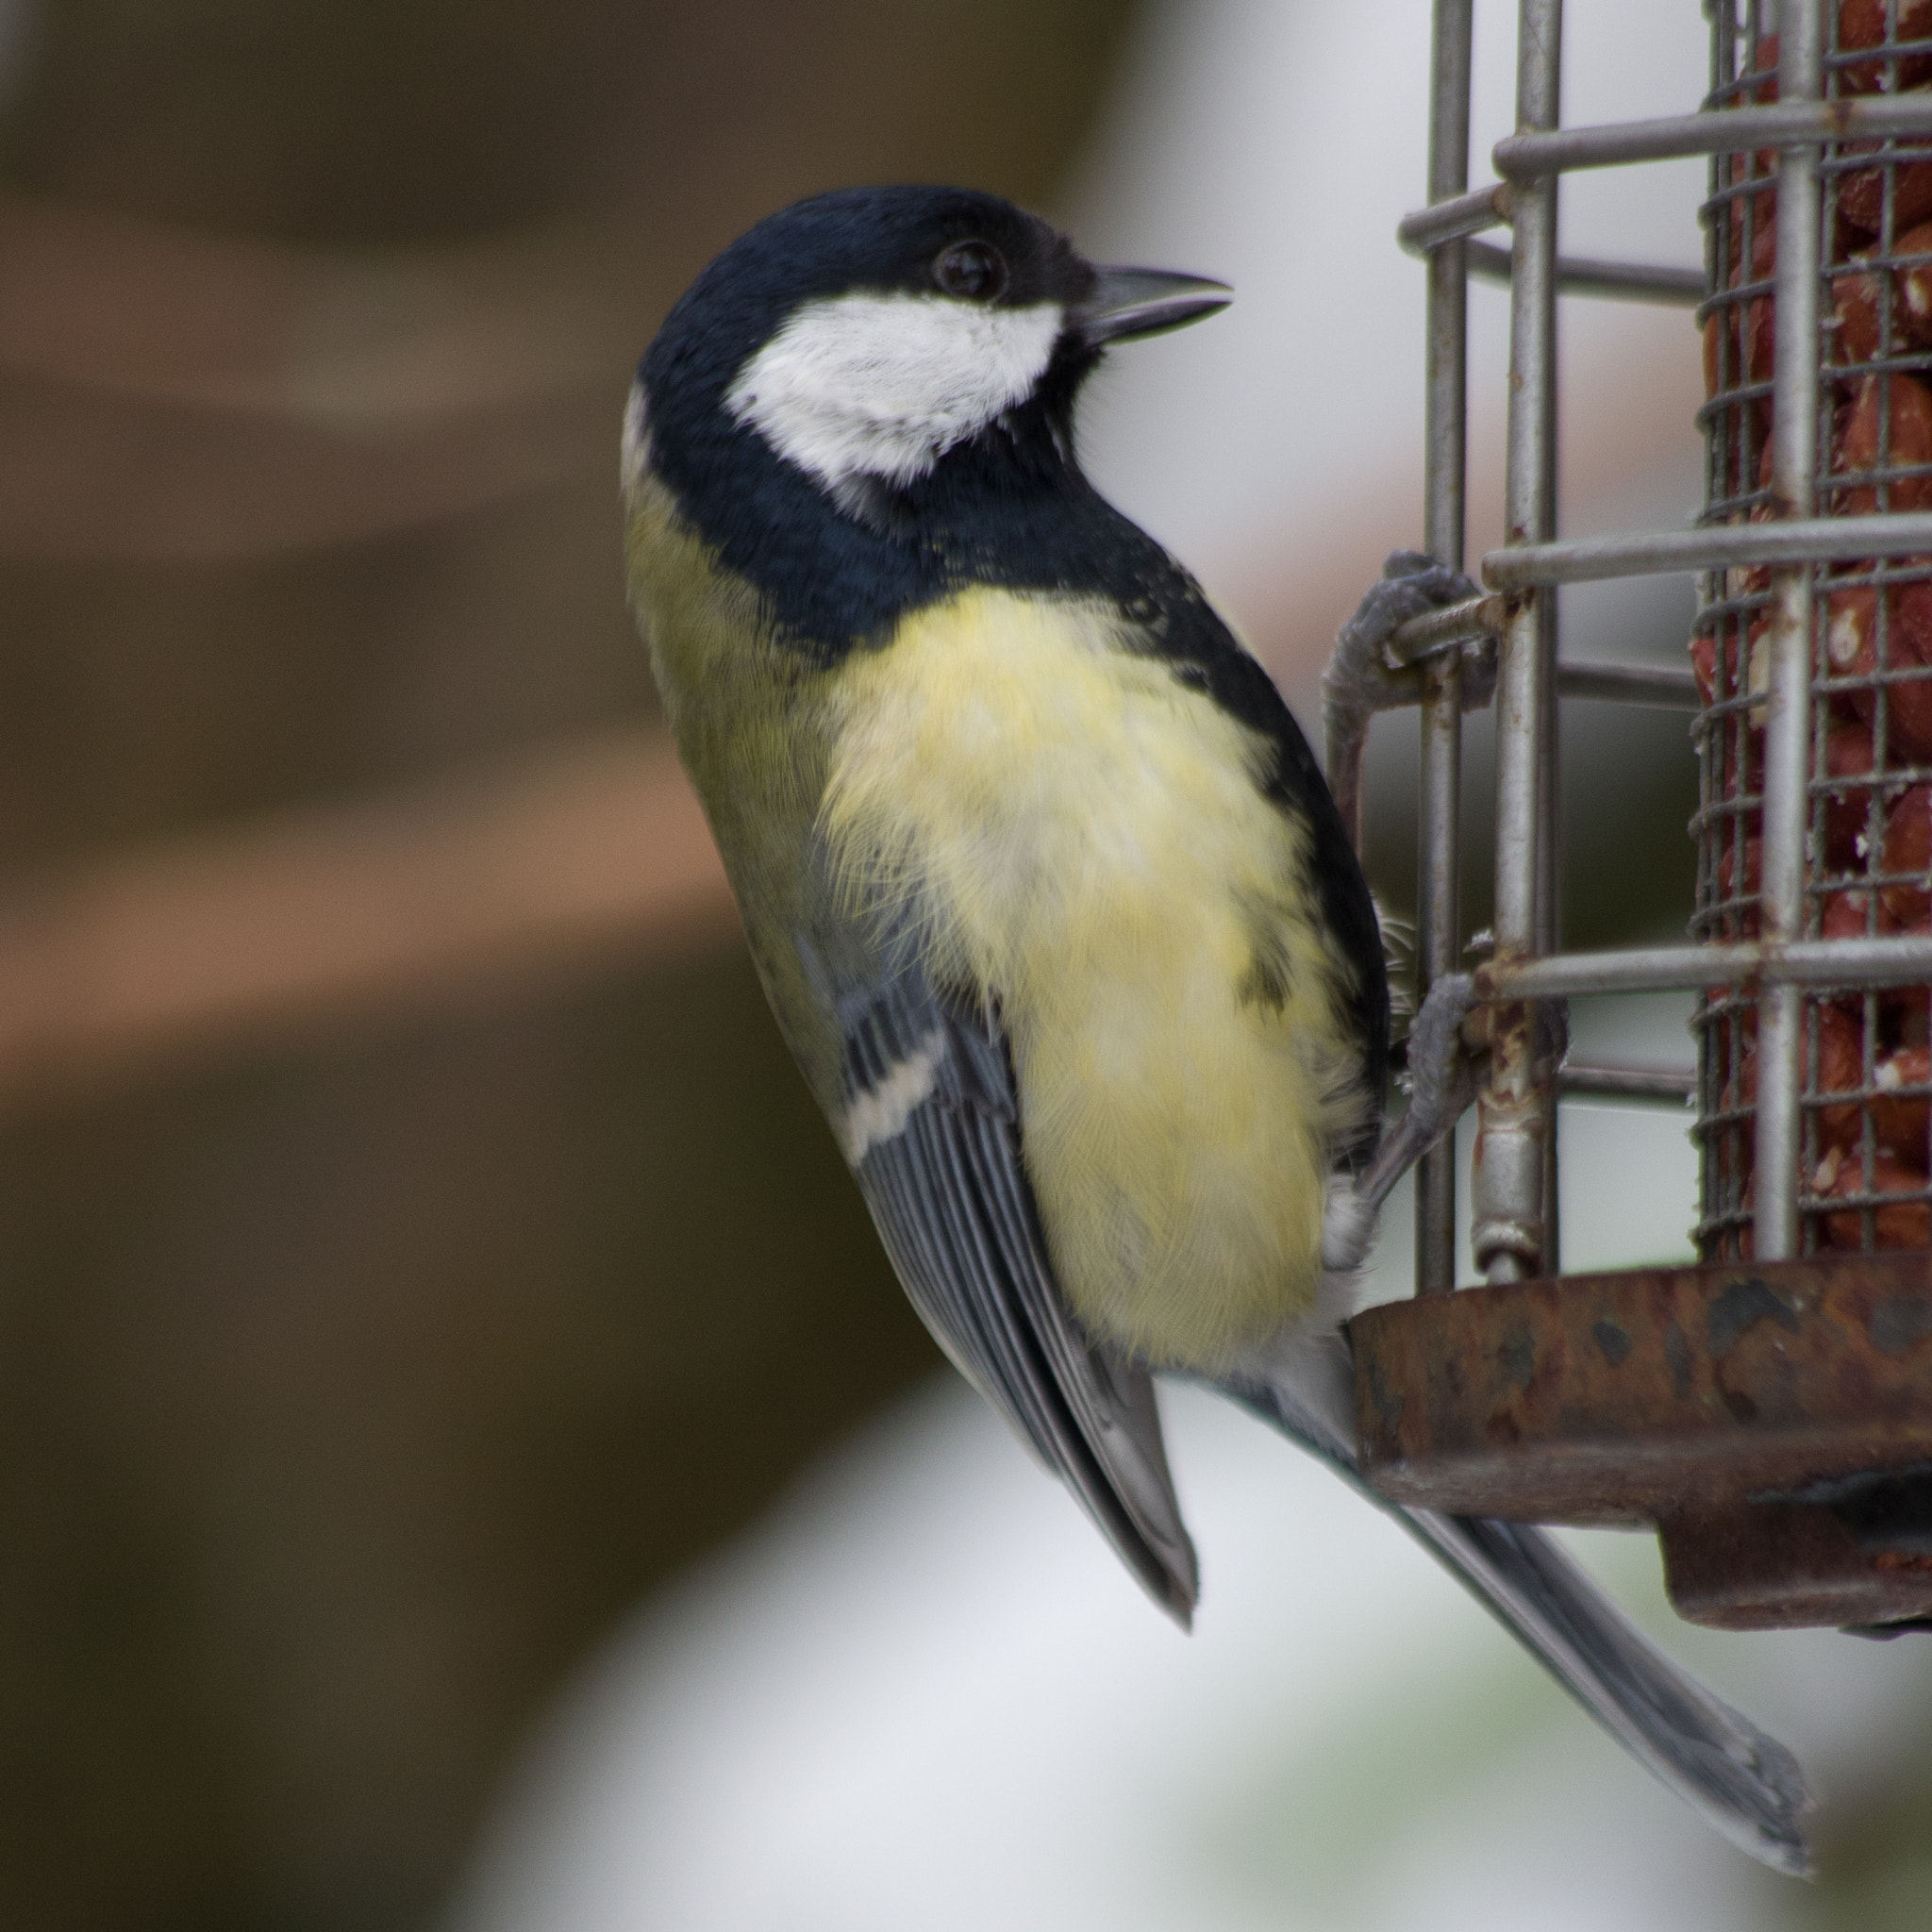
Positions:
(1675, 1085)
(1438, 911)
(1464, 215)
(1764, 967)
(1813, 1106)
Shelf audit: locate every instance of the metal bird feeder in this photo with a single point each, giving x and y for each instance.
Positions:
(1769, 1408)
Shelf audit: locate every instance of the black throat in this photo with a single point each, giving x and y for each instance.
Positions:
(1008, 507)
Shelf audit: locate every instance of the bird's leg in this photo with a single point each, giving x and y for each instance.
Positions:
(1362, 678)
(1443, 1069)
(1445, 1063)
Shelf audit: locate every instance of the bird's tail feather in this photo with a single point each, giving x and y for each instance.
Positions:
(1745, 1784)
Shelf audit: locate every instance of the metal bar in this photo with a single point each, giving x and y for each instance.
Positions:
(1618, 281)
(1585, 560)
(1439, 941)
(1659, 687)
(1478, 617)
(1549, 893)
(1673, 1085)
(1446, 353)
(1650, 686)
(1549, 733)
(1449, 217)
(1549, 820)
(1630, 281)
(1889, 960)
(1788, 699)
(1522, 157)
(1506, 1181)
(1654, 686)
(1719, 1156)
(1438, 858)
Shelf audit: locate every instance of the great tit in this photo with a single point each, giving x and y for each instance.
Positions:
(1044, 886)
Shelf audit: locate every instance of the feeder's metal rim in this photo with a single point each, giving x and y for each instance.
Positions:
(1641, 1394)
(1893, 959)
(1660, 553)
(1783, 123)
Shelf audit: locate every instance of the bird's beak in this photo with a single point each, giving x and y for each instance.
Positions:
(1126, 302)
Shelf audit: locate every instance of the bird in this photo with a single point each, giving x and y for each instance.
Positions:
(1044, 886)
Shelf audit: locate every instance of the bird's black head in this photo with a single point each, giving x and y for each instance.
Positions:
(879, 370)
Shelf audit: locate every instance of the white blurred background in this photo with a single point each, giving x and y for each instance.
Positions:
(923, 1694)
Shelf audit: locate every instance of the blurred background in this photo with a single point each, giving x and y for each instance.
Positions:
(463, 1461)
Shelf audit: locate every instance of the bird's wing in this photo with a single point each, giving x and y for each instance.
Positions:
(931, 1127)
(1744, 1784)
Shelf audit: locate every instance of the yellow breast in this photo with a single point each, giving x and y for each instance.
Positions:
(1109, 871)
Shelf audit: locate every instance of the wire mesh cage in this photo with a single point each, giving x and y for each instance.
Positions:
(1769, 1409)
(1865, 1067)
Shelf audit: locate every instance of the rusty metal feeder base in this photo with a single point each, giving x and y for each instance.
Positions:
(1773, 1419)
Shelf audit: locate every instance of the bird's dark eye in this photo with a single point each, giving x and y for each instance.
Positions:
(975, 270)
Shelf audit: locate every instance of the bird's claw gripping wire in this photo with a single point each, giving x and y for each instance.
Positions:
(1362, 678)
(1447, 1054)
(1443, 1070)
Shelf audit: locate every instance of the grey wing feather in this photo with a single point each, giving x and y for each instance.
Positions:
(1744, 1784)
(939, 1161)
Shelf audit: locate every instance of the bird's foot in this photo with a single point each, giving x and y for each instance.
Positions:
(1446, 1058)
(1443, 1069)
(1363, 679)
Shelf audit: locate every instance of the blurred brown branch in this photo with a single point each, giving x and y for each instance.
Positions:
(93, 477)
(590, 853)
(168, 314)
(167, 395)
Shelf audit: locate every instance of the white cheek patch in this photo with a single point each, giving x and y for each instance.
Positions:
(883, 385)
